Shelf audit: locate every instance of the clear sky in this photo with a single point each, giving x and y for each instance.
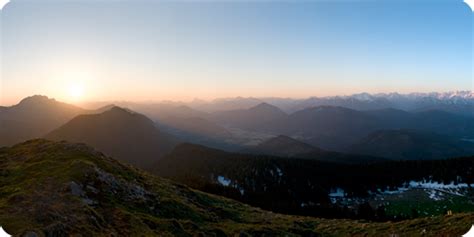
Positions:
(153, 50)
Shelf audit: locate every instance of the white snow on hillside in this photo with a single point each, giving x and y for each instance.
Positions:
(436, 185)
(338, 192)
(435, 190)
(223, 180)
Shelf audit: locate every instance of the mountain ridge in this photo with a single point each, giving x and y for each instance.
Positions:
(86, 193)
(411, 144)
(122, 133)
(33, 117)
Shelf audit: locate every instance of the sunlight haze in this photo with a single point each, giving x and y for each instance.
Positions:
(153, 50)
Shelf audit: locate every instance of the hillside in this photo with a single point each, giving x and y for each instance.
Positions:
(195, 126)
(327, 127)
(283, 146)
(325, 189)
(58, 189)
(336, 128)
(161, 111)
(33, 117)
(128, 136)
(287, 147)
(251, 119)
(412, 144)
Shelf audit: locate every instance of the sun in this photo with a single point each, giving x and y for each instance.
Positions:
(76, 90)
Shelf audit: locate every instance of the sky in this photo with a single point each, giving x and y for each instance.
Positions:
(140, 50)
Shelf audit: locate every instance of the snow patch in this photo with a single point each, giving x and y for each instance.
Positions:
(223, 180)
(436, 185)
(338, 192)
(435, 195)
(280, 173)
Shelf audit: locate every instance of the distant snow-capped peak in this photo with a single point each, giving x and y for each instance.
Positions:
(453, 95)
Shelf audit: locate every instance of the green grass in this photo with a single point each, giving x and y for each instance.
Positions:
(35, 196)
(416, 203)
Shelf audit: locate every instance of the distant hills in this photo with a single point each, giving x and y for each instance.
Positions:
(411, 144)
(33, 117)
(287, 147)
(458, 102)
(325, 127)
(196, 126)
(250, 119)
(283, 146)
(126, 135)
(180, 120)
(337, 128)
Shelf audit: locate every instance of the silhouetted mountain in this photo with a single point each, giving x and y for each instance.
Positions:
(412, 144)
(252, 118)
(336, 128)
(161, 111)
(393, 118)
(33, 117)
(121, 133)
(104, 108)
(458, 102)
(445, 123)
(287, 147)
(225, 104)
(363, 101)
(328, 127)
(181, 119)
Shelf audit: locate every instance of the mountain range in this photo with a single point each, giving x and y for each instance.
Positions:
(321, 161)
(460, 102)
(337, 128)
(411, 144)
(329, 128)
(287, 147)
(250, 119)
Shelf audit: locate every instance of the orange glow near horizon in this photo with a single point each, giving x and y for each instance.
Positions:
(82, 91)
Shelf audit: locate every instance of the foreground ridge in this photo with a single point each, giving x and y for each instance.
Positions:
(57, 189)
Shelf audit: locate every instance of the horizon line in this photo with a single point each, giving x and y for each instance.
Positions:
(377, 94)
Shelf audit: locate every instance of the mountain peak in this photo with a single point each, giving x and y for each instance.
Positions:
(110, 130)
(363, 96)
(266, 107)
(283, 146)
(117, 109)
(36, 99)
(283, 140)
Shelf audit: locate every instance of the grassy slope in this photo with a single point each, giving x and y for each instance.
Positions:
(57, 188)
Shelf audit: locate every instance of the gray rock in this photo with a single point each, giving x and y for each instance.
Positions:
(76, 189)
(89, 201)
